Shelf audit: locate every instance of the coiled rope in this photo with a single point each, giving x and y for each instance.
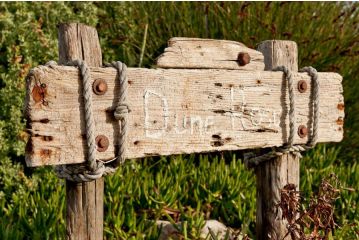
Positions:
(95, 168)
(251, 160)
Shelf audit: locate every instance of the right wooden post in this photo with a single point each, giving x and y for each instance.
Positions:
(275, 174)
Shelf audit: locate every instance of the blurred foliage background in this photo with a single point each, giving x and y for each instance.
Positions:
(187, 188)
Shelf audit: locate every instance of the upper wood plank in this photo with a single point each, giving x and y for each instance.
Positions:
(197, 53)
(173, 111)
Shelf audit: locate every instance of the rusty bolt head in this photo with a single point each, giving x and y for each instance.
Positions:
(340, 106)
(302, 86)
(99, 86)
(243, 58)
(102, 143)
(302, 131)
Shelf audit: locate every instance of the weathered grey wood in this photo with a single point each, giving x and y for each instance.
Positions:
(279, 53)
(200, 53)
(84, 219)
(174, 111)
(273, 175)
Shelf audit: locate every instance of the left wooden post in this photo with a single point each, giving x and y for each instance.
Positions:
(84, 210)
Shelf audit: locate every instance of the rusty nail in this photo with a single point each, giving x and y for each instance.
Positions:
(302, 131)
(243, 58)
(340, 121)
(102, 143)
(302, 86)
(341, 106)
(99, 86)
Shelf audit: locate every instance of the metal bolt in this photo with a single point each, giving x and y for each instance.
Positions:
(102, 143)
(302, 86)
(243, 58)
(302, 131)
(99, 86)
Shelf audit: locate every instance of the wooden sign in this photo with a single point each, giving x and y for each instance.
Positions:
(173, 111)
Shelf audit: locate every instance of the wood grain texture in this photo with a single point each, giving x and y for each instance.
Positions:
(174, 111)
(273, 175)
(200, 53)
(279, 53)
(78, 41)
(84, 201)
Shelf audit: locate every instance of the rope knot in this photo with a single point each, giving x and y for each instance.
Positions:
(121, 112)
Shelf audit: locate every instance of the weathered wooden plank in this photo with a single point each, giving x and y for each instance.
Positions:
(273, 175)
(200, 53)
(174, 111)
(84, 201)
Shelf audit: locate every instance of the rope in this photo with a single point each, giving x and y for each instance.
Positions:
(314, 102)
(95, 168)
(251, 160)
(122, 110)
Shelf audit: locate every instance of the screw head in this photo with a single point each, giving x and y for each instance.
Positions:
(99, 86)
(102, 143)
(243, 58)
(302, 131)
(302, 86)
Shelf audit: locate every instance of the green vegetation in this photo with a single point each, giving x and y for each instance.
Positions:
(189, 188)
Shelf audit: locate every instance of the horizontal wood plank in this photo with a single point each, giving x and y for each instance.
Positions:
(197, 53)
(173, 111)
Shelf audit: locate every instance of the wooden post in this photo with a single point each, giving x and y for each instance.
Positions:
(274, 175)
(84, 200)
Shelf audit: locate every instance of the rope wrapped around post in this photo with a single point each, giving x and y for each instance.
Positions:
(251, 160)
(95, 168)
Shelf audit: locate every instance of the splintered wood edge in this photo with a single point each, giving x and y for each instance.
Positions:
(197, 53)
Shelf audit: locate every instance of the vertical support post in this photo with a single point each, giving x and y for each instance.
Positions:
(84, 210)
(274, 175)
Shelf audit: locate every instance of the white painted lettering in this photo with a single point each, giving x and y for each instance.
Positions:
(196, 121)
(184, 126)
(209, 124)
(155, 133)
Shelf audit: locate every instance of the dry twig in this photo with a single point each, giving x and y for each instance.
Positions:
(318, 218)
